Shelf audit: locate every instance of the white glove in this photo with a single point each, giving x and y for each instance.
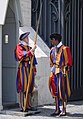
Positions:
(33, 49)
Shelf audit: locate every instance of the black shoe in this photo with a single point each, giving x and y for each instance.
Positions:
(31, 109)
(56, 113)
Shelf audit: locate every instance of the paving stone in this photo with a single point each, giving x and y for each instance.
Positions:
(74, 111)
(17, 112)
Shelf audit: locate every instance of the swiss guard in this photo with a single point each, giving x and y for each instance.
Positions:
(23, 55)
(60, 61)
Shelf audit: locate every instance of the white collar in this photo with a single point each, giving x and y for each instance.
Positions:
(59, 44)
(24, 43)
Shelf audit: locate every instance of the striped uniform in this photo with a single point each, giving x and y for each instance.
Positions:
(24, 56)
(60, 60)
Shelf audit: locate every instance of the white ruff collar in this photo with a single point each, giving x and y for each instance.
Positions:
(24, 43)
(59, 44)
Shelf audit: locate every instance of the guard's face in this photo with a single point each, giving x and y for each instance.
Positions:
(27, 40)
(54, 42)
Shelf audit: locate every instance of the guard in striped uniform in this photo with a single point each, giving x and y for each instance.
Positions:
(60, 61)
(24, 54)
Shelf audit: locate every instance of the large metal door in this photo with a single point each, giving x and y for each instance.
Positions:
(73, 35)
(65, 17)
(9, 64)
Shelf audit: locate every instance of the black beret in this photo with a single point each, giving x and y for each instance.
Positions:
(56, 36)
(24, 35)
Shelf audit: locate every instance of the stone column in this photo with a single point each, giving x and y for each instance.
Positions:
(1, 107)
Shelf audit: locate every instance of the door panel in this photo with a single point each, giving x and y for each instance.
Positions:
(9, 64)
(73, 35)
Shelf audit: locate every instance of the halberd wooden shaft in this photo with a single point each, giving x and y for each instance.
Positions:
(31, 66)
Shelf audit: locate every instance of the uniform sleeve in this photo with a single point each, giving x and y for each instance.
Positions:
(20, 53)
(51, 58)
(68, 56)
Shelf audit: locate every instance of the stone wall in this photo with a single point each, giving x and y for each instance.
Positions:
(26, 12)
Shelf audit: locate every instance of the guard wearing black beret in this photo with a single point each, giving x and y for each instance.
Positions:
(23, 55)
